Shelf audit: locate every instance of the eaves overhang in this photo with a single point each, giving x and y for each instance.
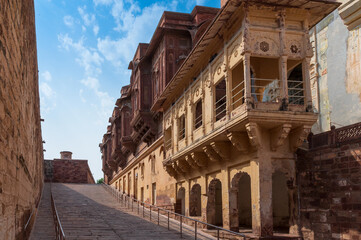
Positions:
(318, 10)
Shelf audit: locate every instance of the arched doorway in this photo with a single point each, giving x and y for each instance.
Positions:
(240, 205)
(195, 203)
(280, 202)
(180, 202)
(214, 204)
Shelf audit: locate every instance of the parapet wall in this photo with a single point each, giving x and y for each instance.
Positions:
(68, 171)
(330, 184)
(21, 149)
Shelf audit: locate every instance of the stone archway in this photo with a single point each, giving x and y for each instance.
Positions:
(180, 201)
(214, 203)
(280, 202)
(240, 203)
(195, 203)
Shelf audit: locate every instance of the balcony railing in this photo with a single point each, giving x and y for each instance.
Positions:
(238, 95)
(220, 107)
(336, 137)
(168, 144)
(265, 90)
(198, 121)
(182, 133)
(296, 92)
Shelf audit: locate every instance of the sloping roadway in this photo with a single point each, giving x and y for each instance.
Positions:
(88, 211)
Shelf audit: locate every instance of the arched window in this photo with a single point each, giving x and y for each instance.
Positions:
(180, 202)
(198, 121)
(195, 203)
(221, 100)
(214, 204)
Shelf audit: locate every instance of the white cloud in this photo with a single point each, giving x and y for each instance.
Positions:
(96, 29)
(102, 2)
(106, 101)
(87, 57)
(88, 19)
(46, 76)
(47, 97)
(46, 90)
(68, 21)
(81, 91)
(137, 28)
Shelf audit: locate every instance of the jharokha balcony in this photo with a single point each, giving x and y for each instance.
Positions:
(144, 126)
(255, 87)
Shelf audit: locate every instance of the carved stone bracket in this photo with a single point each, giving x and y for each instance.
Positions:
(223, 149)
(170, 170)
(199, 158)
(183, 165)
(279, 135)
(240, 141)
(254, 134)
(191, 162)
(298, 135)
(212, 155)
(177, 169)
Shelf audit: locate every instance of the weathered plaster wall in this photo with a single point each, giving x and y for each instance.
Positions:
(21, 150)
(338, 56)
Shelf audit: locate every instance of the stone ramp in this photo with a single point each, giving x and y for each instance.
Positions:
(88, 211)
(44, 228)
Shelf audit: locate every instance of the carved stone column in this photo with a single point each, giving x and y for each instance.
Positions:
(283, 77)
(306, 78)
(247, 77)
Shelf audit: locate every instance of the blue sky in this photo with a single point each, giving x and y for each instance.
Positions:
(84, 47)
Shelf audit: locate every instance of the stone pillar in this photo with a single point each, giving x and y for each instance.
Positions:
(225, 197)
(175, 132)
(247, 76)
(204, 198)
(186, 197)
(261, 194)
(306, 79)
(283, 77)
(190, 118)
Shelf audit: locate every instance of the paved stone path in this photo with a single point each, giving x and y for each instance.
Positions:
(44, 225)
(90, 212)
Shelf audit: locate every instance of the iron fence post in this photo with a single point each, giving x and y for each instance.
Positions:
(195, 230)
(217, 233)
(181, 225)
(158, 216)
(150, 213)
(168, 220)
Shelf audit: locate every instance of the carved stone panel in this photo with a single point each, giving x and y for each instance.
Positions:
(267, 44)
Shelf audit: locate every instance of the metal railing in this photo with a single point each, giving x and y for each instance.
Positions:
(265, 90)
(296, 92)
(168, 144)
(60, 235)
(220, 107)
(30, 222)
(142, 207)
(198, 121)
(182, 133)
(238, 95)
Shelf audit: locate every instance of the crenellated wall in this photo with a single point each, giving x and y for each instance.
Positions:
(21, 149)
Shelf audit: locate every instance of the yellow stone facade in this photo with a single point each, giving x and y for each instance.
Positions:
(234, 115)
